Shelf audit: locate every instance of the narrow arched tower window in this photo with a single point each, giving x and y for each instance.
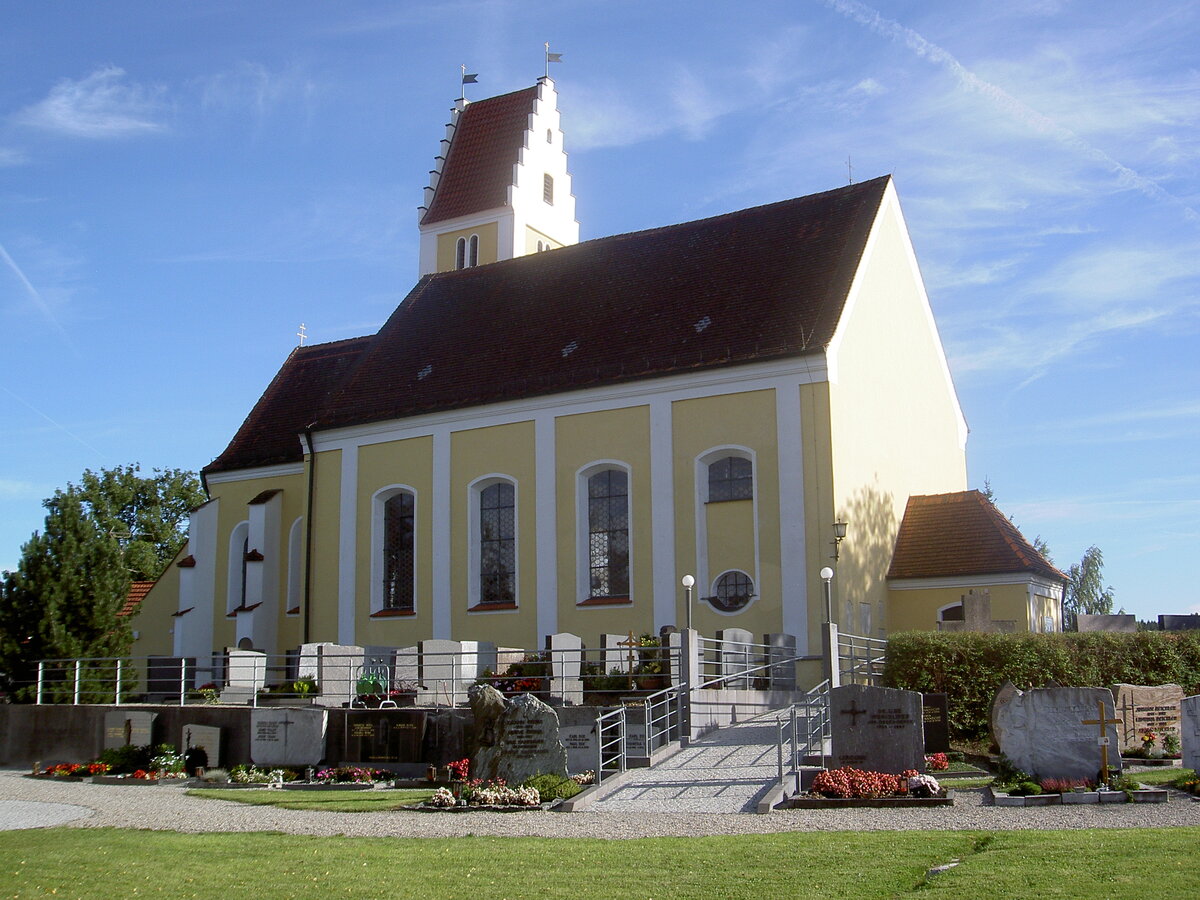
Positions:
(460, 254)
(548, 189)
(473, 251)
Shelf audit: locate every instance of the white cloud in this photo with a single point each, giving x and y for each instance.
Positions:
(15, 489)
(11, 157)
(101, 105)
(253, 86)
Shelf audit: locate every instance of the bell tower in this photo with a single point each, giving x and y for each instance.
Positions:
(500, 186)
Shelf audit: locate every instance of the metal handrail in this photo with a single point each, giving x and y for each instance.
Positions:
(861, 658)
(814, 710)
(610, 748)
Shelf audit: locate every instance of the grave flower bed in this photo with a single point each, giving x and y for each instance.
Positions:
(850, 787)
(352, 775)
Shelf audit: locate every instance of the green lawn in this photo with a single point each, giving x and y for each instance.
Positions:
(329, 801)
(108, 863)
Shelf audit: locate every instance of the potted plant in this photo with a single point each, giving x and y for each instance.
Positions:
(369, 690)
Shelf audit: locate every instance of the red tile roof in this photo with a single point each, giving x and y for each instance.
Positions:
(137, 593)
(946, 535)
(479, 165)
(763, 283)
(269, 435)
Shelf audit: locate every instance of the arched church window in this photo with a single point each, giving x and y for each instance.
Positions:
(730, 478)
(460, 254)
(732, 591)
(498, 544)
(473, 251)
(548, 189)
(608, 533)
(398, 555)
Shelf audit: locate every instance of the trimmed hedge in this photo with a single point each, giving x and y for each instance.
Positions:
(970, 667)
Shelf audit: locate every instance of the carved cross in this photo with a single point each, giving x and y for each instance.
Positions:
(1103, 723)
(631, 642)
(854, 712)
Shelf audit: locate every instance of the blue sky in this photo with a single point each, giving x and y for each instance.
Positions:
(181, 185)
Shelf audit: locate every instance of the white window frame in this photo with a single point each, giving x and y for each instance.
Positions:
(474, 554)
(713, 593)
(583, 561)
(378, 502)
(700, 479)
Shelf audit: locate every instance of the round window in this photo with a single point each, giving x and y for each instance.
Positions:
(733, 591)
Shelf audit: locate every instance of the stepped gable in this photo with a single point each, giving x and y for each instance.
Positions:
(269, 435)
(758, 284)
(478, 169)
(947, 535)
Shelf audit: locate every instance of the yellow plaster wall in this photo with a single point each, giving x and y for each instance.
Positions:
(234, 496)
(892, 416)
(580, 440)
(502, 450)
(326, 542)
(744, 419)
(154, 623)
(818, 503)
(532, 236)
(733, 522)
(408, 462)
(489, 245)
(916, 610)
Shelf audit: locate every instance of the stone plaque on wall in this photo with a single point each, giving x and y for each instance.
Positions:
(287, 737)
(128, 727)
(937, 723)
(1141, 708)
(385, 735)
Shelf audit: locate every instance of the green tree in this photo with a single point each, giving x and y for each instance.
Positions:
(147, 515)
(63, 600)
(1086, 591)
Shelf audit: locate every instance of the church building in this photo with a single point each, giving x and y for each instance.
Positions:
(547, 435)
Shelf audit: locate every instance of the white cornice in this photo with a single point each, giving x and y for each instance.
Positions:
(257, 472)
(708, 382)
(970, 581)
(459, 223)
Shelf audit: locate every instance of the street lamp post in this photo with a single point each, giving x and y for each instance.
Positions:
(827, 577)
(687, 583)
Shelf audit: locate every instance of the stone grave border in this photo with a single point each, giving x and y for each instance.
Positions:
(808, 802)
(1142, 795)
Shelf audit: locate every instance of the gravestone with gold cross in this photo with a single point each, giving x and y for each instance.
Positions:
(1059, 732)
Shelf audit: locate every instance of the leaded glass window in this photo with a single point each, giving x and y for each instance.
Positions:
(730, 478)
(733, 591)
(498, 544)
(608, 533)
(398, 551)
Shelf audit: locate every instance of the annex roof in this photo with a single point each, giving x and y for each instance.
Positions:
(137, 593)
(268, 436)
(946, 535)
(762, 283)
(478, 169)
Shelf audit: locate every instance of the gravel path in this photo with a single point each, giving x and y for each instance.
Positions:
(27, 802)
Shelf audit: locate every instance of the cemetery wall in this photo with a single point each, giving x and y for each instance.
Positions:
(970, 667)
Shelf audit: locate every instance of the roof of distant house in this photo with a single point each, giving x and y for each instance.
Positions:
(486, 145)
(758, 284)
(958, 534)
(137, 593)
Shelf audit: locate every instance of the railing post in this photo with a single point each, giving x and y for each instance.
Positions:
(41, 680)
(117, 690)
(78, 674)
(182, 680)
(829, 648)
(690, 667)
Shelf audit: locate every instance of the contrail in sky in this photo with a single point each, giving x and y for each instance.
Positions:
(864, 15)
(63, 428)
(37, 298)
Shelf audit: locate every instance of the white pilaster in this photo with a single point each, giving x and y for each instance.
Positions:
(348, 526)
(546, 514)
(441, 534)
(662, 513)
(793, 570)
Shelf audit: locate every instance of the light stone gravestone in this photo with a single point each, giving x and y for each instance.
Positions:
(620, 652)
(566, 666)
(438, 670)
(1141, 707)
(673, 640)
(1122, 624)
(287, 737)
(517, 738)
(1055, 732)
(128, 728)
(580, 743)
(1007, 691)
(876, 729)
(406, 665)
(736, 656)
(340, 666)
(206, 736)
(247, 670)
(1190, 732)
(782, 675)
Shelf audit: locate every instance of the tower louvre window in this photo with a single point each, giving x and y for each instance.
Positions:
(548, 189)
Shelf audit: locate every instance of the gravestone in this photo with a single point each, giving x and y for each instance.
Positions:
(385, 735)
(977, 616)
(246, 670)
(620, 652)
(736, 656)
(287, 737)
(1187, 622)
(340, 666)
(936, 709)
(516, 738)
(1007, 691)
(566, 666)
(1141, 707)
(438, 670)
(876, 729)
(780, 647)
(1190, 732)
(577, 734)
(206, 736)
(1120, 624)
(1056, 732)
(128, 728)
(673, 641)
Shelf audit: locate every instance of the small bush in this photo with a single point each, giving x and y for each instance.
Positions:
(552, 787)
(123, 760)
(1026, 789)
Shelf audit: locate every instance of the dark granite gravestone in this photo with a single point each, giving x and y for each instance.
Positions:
(876, 729)
(385, 735)
(128, 727)
(937, 723)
